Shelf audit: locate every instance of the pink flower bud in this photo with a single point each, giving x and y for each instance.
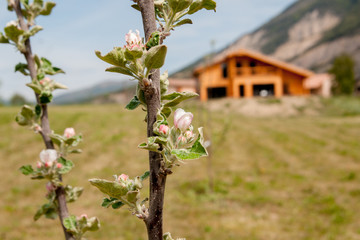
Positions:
(44, 81)
(48, 164)
(58, 165)
(83, 215)
(181, 140)
(182, 119)
(123, 177)
(164, 129)
(37, 128)
(133, 40)
(38, 164)
(50, 187)
(189, 135)
(69, 132)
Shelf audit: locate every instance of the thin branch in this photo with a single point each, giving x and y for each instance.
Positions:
(45, 125)
(152, 95)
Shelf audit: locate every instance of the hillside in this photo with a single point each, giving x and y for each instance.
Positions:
(309, 33)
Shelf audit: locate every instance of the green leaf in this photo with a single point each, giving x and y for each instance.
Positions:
(122, 70)
(133, 196)
(38, 110)
(26, 170)
(48, 209)
(195, 152)
(33, 31)
(155, 57)
(166, 111)
(27, 112)
(176, 97)
(57, 139)
(182, 22)
(115, 57)
(3, 39)
(93, 224)
(145, 175)
(13, 33)
(45, 97)
(179, 5)
(67, 165)
(164, 83)
(23, 68)
(37, 89)
(73, 141)
(113, 189)
(59, 86)
(70, 224)
(153, 144)
(73, 193)
(113, 202)
(132, 55)
(47, 8)
(136, 7)
(197, 5)
(133, 104)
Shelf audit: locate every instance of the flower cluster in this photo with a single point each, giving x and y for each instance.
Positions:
(133, 40)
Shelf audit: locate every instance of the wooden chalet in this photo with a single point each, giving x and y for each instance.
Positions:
(245, 73)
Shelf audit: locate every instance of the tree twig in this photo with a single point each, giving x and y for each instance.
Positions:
(45, 125)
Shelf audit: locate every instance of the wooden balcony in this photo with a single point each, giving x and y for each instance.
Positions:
(260, 70)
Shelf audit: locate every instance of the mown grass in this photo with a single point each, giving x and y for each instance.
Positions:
(273, 178)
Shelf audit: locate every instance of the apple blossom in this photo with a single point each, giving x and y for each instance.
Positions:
(48, 157)
(38, 164)
(182, 119)
(123, 177)
(181, 140)
(133, 40)
(69, 132)
(164, 129)
(45, 81)
(189, 135)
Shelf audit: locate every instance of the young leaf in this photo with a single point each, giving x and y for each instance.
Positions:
(176, 97)
(114, 202)
(179, 5)
(45, 97)
(13, 33)
(47, 8)
(115, 57)
(37, 89)
(197, 5)
(67, 165)
(3, 39)
(122, 70)
(113, 189)
(182, 22)
(70, 224)
(26, 170)
(133, 104)
(155, 57)
(93, 224)
(23, 68)
(145, 175)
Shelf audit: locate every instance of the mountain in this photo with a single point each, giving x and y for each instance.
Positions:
(309, 33)
(95, 92)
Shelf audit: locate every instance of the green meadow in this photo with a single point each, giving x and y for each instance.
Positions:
(268, 178)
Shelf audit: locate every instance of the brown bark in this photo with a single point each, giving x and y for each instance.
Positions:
(154, 221)
(45, 125)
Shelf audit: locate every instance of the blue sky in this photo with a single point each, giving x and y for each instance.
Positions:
(76, 29)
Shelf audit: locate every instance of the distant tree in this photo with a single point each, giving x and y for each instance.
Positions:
(17, 100)
(343, 70)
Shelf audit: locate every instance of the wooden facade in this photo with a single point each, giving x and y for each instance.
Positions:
(246, 74)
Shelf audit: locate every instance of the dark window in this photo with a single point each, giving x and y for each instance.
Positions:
(225, 70)
(263, 90)
(252, 64)
(242, 93)
(238, 64)
(216, 92)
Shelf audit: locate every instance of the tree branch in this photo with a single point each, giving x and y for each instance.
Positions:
(152, 96)
(45, 125)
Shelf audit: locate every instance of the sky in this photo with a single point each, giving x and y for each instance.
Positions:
(76, 28)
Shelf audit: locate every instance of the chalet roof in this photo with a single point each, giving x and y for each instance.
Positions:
(182, 82)
(258, 56)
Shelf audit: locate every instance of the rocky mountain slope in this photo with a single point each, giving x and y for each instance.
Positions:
(309, 33)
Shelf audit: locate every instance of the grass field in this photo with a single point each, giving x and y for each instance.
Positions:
(275, 178)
